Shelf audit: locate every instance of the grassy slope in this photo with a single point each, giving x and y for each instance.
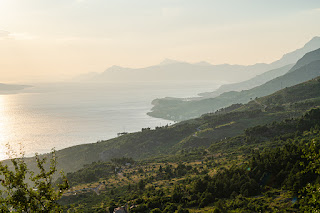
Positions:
(198, 132)
(183, 171)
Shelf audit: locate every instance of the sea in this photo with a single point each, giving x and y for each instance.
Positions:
(60, 115)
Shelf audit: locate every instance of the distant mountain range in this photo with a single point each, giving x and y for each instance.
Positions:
(171, 70)
(306, 68)
(292, 57)
(248, 84)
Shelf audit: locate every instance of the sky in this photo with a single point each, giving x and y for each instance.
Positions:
(43, 40)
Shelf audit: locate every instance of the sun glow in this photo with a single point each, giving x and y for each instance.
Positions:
(5, 5)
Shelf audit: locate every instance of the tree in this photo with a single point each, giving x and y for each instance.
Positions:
(39, 196)
(141, 184)
(310, 195)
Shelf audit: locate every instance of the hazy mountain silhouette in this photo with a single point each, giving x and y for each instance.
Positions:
(178, 109)
(248, 84)
(169, 70)
(286, 63)
(308, 58)
(292, 57)
(177, 70)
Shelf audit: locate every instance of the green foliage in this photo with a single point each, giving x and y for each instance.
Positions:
(310, 194)
(40, 196)
(122, 161)
(89, 173)
(272, 133)
(156, 210)
(285, 162)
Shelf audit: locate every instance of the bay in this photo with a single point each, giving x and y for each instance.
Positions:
(61, 115)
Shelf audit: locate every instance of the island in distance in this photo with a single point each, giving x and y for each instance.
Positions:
(11, 88)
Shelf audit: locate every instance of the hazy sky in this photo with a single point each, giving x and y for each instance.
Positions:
(46, 39)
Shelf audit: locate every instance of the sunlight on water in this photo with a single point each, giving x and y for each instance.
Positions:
(63, 115)
(7, 132)
(3, 125)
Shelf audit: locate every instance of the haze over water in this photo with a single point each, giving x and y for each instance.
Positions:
(63, 115)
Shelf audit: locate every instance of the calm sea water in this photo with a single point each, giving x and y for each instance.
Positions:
(62, 115)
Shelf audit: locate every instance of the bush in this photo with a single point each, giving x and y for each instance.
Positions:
(21, 197)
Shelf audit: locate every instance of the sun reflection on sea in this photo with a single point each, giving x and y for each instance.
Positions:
(3, 127)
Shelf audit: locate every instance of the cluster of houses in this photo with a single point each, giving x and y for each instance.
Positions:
(122, 133)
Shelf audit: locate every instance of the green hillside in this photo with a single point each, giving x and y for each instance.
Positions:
(200, 132)
(267, 168)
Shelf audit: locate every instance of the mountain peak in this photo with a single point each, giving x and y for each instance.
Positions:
(315, 41)
(115, 68)
(307, 59)
(315, 38)
(294, 56)
(168, 61)
(203, 63)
